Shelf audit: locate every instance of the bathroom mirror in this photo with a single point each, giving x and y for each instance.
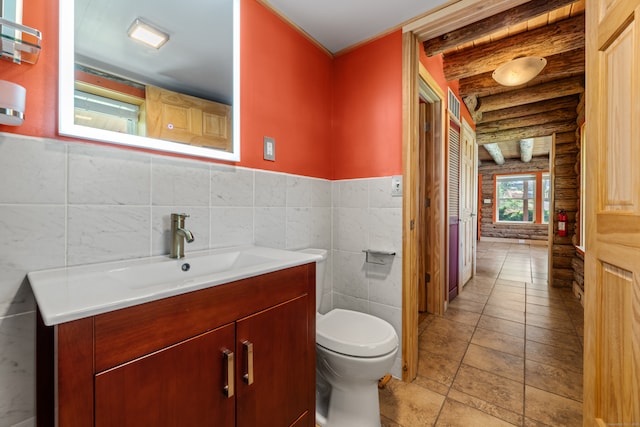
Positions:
(200, 59)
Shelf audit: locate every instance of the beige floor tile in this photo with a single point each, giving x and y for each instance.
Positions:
(544, 293)
(503, 326)
(439, 368)
(451, 329)
(491, 388)
(506, 293)
(504, 313)
(559, 357)
(499, 301)
(464, 304)
(480, 289)
(555, 324)
(386, 422)
(554, 338)
(496, 362)
(551, 409)
(545, 301)
(486, 407)
(429, 384)
(410, 405)
(555, 380)
(469, 295)
(517, 286)
(442, 345)
(455, 414)
(497, 341)
(462, 316)
(546, 311)
(522, 278)
(539, 283)
(528, 422)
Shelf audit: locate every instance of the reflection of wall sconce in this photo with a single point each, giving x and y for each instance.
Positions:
(12, 103)
(519, 71)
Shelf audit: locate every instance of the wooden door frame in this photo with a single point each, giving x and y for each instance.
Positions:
(436, 22)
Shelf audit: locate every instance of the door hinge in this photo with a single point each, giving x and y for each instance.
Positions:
(412, 224)
(427, 203)
(427, 126)
(427, 278)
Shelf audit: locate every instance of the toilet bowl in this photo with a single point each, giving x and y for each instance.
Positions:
(353, 351)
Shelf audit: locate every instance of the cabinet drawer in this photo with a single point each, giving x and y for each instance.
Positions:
(126, 334)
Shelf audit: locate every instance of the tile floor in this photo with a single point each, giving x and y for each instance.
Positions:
(507, 352)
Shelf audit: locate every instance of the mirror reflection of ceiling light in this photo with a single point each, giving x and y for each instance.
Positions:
(519, 71)
(147, 34)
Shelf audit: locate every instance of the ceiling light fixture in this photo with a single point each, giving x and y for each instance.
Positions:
(519, 71)
(147, 34)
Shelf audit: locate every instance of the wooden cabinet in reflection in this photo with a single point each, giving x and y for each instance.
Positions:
(182, 118)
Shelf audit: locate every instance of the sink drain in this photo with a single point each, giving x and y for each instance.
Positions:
(186, 266)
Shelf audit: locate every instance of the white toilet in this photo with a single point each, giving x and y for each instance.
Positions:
(353, 351)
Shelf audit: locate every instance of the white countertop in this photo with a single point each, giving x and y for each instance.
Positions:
(71, 293)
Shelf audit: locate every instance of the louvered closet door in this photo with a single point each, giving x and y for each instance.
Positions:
(454, 207)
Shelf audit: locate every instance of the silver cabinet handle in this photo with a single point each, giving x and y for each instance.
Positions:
(229, 359)
(248, 358)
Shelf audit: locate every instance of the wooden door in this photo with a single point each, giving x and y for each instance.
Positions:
(467, 201)
(278, 392)
(612, 256)
(177, 117)
(179, 386)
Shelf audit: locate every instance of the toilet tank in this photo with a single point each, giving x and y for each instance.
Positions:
(321, 268)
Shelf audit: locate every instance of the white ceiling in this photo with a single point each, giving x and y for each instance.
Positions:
(197, 58)
(338, 24)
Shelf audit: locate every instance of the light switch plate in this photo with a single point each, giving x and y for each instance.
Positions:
(396, 186)
(269, 148)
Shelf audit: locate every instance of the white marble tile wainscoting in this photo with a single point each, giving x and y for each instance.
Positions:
(65, 204)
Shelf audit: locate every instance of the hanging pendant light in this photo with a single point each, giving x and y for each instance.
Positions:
(519, 71)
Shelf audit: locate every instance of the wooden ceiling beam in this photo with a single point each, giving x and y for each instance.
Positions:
(559, 37)
(555, 115)
(558, 66)
(538, 131)
(491, 24)
(528, 95)
(526, 149)
(495, 153)
(570, 102)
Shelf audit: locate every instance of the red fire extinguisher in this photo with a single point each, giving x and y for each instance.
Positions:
(562, 222)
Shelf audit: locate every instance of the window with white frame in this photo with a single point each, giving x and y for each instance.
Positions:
(523, 198)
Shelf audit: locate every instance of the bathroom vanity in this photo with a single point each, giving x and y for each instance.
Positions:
(240, 353)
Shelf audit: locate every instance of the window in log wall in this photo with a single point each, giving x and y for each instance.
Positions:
(522, 198)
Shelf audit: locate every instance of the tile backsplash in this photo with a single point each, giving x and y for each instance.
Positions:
(64, 204)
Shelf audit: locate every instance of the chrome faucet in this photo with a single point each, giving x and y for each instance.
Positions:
(178, 235)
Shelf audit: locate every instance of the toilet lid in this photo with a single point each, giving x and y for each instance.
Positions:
(355, 334)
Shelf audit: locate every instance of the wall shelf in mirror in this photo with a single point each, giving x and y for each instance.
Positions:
(20, 44)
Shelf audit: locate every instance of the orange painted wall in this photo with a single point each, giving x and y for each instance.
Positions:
(334, 118)
(367, 110)
(285, 94)
(434, 66)
(41, 79)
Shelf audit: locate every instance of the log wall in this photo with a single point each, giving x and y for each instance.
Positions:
(578, 260)
(509, 231)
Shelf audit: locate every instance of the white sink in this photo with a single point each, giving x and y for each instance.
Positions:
(71, 293)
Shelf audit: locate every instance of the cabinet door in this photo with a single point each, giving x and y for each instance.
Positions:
(179, 386)
(279, 336)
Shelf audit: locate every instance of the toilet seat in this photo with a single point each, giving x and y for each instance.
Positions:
(355, 334)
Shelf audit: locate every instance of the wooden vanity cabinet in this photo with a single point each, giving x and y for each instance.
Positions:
(167, 362)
